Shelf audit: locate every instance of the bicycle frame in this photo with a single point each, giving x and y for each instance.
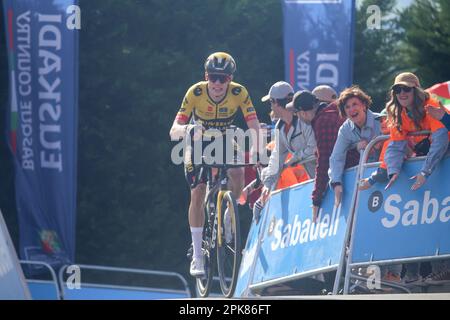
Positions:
(220, 184)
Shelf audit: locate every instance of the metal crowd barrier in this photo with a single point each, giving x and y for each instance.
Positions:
(350, 240)
(345, 265)
(35, 286)
(167, 292)
(250, 288)
(364, 155)
(56, 288)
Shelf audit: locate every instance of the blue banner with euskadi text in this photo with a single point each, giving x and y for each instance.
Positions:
(42, 42)
(318, 43)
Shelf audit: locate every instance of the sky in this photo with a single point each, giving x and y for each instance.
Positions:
(404, 3)
(400, 3)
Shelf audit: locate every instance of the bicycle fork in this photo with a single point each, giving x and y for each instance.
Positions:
(219, 217)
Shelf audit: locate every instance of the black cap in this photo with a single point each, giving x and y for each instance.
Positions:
(303, 101)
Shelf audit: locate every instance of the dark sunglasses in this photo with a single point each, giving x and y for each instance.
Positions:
(221, 77)
(399, 89)
(282, 102)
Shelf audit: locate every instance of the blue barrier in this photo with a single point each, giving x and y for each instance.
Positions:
(286, 245)
(50, 290)
(404, 223)
(394, 226)
(42, 290)
(101, 292)
(96, 291)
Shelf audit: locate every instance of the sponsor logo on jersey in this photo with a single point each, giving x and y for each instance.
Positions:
(197, 91)
(236, 91)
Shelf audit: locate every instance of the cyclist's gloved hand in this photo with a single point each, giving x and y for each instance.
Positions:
(195, 131)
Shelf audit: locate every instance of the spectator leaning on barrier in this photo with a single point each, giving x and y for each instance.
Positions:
(416, 146)
(295, 137)
(407, 109)
(325, 121)
(413, 149)
(357, 131)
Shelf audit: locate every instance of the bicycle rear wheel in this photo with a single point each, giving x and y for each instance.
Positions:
(203, 284)
(229, 246)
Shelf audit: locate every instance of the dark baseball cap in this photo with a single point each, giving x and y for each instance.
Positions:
(303, 101)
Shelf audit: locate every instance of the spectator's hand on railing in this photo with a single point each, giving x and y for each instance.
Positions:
(409, 152)
(420, 181)
(361, 145)
(391, 181)
(364, 184)
(337, 195)
(195, 130)
(264, 194)
(259, 204)
(434, 112)
(315, 213)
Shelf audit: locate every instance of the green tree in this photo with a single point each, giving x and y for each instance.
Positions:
(137, 59)
(426, 42)
(375, 62)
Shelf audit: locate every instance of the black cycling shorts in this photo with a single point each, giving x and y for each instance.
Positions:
(194, 173)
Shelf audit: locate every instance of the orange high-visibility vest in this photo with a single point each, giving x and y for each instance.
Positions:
(427, 123)
(291, 175)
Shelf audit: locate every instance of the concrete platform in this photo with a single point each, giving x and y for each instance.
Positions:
(412, 296)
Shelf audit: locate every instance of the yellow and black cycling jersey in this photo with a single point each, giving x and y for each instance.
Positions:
(218, 115)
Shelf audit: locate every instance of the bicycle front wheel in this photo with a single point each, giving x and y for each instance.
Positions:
(203, 284)
(229, 245)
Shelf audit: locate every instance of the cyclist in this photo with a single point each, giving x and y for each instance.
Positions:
(211, 104)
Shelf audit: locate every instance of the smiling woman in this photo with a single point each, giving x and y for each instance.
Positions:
(406, 109)
(357, 131)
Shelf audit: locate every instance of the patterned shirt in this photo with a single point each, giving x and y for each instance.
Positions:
(326, 125)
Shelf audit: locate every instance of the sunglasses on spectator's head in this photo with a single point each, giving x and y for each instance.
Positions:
(399, 89)
(221, 77)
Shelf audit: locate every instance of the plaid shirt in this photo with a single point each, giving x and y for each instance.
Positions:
(326, 125)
